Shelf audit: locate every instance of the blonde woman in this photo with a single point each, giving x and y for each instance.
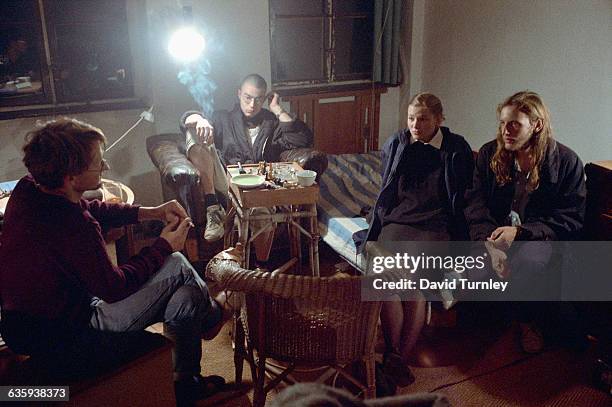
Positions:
(426, 170)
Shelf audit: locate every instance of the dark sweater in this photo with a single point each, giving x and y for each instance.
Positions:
(554, 211)
(53, 257)
(458, 164)
(421, 193)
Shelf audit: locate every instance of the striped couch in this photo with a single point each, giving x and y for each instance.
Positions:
(348, 191)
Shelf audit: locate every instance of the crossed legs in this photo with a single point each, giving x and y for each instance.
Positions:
(203, 159)
(212, 179)
(176, 296)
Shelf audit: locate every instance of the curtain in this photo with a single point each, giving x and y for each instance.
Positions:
(387, 21)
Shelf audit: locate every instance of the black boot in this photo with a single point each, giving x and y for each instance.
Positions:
(188, 391)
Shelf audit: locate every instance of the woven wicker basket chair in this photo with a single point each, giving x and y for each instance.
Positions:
(300, 321)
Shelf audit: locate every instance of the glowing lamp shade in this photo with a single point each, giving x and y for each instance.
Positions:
(186, 44)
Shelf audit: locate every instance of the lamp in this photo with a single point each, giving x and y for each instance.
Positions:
(186, 44)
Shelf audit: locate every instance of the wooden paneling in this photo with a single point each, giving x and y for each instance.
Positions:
(343, 121)
(336, 129)
(305, 107)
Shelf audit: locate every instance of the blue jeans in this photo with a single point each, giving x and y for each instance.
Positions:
(177, 296)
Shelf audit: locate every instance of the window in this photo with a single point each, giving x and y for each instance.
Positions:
(64, 53)
(321, 41)
(21, 53)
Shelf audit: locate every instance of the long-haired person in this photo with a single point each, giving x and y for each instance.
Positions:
(527, 187)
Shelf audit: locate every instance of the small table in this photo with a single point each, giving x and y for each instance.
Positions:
(292, 204)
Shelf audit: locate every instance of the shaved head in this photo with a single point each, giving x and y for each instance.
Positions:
(255, 80)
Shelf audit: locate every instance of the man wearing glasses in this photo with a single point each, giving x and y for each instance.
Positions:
(247, 134)
(62, 297)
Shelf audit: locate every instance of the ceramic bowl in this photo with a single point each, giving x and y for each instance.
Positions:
(306, 177)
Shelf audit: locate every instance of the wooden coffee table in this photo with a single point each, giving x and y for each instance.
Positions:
(292, 204)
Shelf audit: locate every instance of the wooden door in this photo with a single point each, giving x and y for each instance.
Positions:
(337, 125)
(343, 121)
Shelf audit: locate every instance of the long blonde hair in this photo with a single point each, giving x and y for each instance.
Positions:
(502, 163)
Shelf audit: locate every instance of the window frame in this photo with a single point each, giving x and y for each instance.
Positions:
(32, 99)
(330, 76)
(48, 102)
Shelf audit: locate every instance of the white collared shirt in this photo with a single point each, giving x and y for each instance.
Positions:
(435, 142)
(253, 133)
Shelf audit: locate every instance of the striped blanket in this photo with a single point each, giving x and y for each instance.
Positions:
(348, 190)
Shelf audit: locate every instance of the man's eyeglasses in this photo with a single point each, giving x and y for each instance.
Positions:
(248, 99)
(103, 166)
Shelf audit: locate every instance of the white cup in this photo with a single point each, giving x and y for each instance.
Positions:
(306, 177)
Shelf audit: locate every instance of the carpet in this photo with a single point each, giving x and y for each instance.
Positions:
(486, 368)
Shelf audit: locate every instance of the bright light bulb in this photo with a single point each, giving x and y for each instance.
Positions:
(186, 44)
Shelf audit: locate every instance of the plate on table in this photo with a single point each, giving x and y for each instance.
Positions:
(248, 181)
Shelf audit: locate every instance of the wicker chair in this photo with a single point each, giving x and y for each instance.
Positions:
(299, 321)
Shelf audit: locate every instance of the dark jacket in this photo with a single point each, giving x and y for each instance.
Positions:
(458, 164)
(232, 143)
(555, 211)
